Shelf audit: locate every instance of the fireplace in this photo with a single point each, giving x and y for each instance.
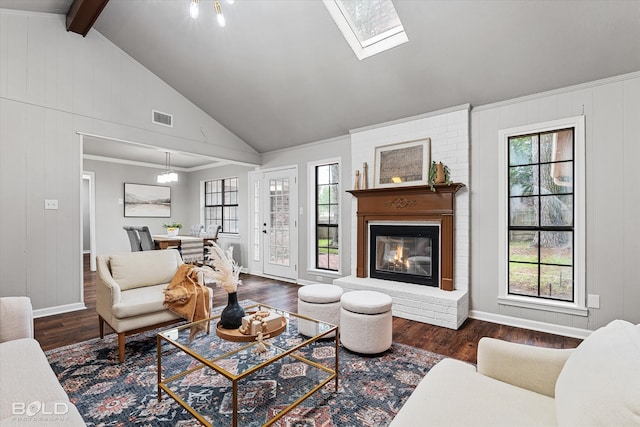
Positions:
(405, 253)
(406, 205)
(422, 223)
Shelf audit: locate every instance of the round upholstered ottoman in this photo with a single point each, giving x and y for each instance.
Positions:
(365, 321)
(321, 302)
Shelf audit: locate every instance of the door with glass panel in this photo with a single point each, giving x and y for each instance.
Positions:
(274, 233)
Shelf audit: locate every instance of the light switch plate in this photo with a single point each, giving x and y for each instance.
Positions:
(51, 204)
(593, 301)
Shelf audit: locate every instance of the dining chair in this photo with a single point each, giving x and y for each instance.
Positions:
(212, 232)
(146, 241)
(134, 239)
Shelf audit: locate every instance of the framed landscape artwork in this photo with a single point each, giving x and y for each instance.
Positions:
(402, 164)
(147, 201)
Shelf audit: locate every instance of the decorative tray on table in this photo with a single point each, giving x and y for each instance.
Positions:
(269, 323)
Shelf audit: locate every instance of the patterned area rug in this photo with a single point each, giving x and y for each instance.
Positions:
(107, 393)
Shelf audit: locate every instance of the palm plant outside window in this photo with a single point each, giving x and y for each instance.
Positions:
(541, 215)
(327, 216)
(221, 204)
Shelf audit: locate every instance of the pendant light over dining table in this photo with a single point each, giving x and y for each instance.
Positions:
(194, 11)
(168, 175)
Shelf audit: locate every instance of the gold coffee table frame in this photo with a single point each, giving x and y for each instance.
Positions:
(169, 336)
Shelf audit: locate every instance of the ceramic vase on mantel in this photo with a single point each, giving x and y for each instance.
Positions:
(365, 177)
(232, 314)
(440, 177)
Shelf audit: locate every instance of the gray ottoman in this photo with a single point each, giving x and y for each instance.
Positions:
(366, 321)
(320, 302)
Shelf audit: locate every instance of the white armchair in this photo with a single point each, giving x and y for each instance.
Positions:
(595, 384)
(130, 292)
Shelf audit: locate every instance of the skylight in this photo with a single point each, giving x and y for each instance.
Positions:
(370, 26)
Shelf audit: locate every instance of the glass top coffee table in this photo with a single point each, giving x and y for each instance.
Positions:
(225, 381)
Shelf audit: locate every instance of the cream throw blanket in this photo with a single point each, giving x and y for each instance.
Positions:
(186, 297)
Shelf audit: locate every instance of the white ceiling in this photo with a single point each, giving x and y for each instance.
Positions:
(51, 6)
(280, 74)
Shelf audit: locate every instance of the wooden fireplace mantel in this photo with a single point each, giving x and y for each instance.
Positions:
(416, 203)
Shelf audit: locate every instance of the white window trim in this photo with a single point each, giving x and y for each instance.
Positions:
(382, 42)
(311, 223)
(578, 307)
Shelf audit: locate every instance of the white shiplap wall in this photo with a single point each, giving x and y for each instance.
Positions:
(334, 148)
(612, 115)
(54, 84)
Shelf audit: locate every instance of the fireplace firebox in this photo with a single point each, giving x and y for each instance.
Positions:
(405, 253)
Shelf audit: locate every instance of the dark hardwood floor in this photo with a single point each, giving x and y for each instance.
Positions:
(68, 328)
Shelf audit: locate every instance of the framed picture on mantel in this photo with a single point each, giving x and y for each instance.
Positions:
(402, 164)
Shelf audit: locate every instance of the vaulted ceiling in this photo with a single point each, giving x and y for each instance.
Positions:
(280, 73)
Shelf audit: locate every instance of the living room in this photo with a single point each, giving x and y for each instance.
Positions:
(52, 80)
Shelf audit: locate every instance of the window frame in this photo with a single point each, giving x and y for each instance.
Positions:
(312, 223)
(578, 305)
(223, 205)
(378, 44)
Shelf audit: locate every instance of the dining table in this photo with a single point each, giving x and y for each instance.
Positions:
(191, 247)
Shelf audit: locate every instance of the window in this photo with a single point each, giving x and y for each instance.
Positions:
(257, 226)
(541, 234)
(324, 178)
(369, 26)
(221, 204)
(543, 193)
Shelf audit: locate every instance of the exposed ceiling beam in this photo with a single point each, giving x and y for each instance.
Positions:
(82, 14)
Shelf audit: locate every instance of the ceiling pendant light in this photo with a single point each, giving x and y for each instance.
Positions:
(194, 10)
(219, 16)
(168, 175)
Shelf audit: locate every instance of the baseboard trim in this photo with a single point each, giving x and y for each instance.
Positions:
(282, 279)
(59, 309)
(533, 325)
(305, 282)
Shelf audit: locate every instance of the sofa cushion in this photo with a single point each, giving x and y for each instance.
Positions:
(26, 377)
(454, 394)
(146, 268)
(140, 301)
(600, 382)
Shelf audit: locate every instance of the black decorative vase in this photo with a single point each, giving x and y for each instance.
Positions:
(232, 314)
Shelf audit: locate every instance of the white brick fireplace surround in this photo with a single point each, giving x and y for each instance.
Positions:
(449, 133)
(421, 303)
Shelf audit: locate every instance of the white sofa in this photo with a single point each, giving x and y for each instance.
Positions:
(596, 384)
(30, 393)
(130, 291)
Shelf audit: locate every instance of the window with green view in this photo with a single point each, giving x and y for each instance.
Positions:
(327, 216)
(541, 235)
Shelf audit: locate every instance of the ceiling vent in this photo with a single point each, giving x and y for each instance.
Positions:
(161, 118)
